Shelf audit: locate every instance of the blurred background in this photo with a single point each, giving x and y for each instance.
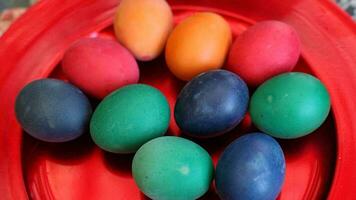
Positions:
(14, 3)
(349, 6)
(12, 9)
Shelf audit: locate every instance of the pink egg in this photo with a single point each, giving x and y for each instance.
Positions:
(99, 66)
(264, 50)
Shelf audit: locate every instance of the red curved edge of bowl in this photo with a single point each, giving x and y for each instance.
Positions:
(328, 38)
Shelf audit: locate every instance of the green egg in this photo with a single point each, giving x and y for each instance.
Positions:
(290, 105)
(129, 117)
(172, 168)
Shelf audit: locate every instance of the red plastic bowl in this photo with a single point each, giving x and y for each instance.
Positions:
(319, 166)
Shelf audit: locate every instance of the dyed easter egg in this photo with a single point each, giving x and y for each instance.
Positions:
(211, 104)
(290, 105)
(198, 44)
(99, 66)
(252, 167)
(143, 26)
(129, 117)
(53, 110)
(264, 50)
(172, 168)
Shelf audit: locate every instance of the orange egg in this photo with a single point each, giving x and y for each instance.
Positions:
(198, 44)
(143, 26)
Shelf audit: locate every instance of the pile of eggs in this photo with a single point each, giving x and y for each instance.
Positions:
(134, 117)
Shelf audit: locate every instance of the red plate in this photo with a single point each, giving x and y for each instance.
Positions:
(318, 166)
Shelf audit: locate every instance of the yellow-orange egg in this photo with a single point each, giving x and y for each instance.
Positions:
(198, 44)
(143, 26)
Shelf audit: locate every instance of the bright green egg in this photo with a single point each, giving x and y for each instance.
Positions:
(290, 105)
(129, 117)
(172, 168)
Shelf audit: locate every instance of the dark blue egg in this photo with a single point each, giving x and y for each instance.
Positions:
(211, 104)
(53, 110)
(252, 167)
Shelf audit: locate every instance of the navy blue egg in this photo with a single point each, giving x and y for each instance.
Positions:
(252, 167)
(53, 110)
(211, 104)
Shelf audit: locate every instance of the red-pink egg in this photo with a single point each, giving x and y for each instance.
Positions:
(99, 66)
(264, 50)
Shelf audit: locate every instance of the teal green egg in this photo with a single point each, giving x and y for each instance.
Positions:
(290, 105)
(172, 168)
(129, 117)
